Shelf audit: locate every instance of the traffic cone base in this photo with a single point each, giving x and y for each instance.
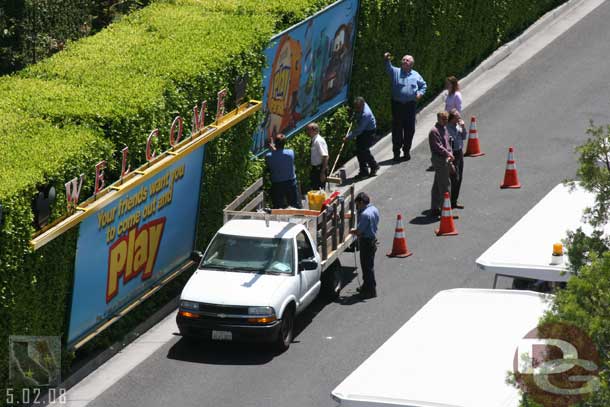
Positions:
(438, 233)
(399, 245)
(511, 178)
(472, 154)
(447, 227)
(516, 186)
(399, 255)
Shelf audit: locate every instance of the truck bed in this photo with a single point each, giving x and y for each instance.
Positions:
(329, 227)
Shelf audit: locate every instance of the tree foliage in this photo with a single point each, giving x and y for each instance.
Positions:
(594, 172)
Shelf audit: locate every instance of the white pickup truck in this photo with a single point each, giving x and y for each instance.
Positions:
(262, 268)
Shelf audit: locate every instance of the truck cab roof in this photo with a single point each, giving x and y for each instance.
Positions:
(258, 228)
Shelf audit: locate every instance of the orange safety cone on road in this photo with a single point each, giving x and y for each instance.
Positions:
(473, 149)
(399, 246)
(447, 227)
(511, 179)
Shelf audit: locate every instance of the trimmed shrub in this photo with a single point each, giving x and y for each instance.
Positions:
(32, 30)
(35, 287)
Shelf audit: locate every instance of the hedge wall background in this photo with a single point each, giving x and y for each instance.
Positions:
(60, 116)
(31, 30)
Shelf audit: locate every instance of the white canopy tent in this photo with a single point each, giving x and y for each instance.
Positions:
(456, 351)
(525, 251)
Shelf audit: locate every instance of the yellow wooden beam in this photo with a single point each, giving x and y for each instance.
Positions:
(145, 172)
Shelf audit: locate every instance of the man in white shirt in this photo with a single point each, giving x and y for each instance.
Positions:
(319, 157)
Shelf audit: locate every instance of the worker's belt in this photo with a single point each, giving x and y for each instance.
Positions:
(404, 103)
(368, 239)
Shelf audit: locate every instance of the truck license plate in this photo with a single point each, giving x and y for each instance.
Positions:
(222, 335)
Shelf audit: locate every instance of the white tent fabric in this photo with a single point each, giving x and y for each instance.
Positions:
(454, 352)
(526, 249)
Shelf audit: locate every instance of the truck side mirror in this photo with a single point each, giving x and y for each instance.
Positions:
(196, 256)
(308, 264)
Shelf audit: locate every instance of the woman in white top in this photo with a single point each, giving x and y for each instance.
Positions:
(454, 96)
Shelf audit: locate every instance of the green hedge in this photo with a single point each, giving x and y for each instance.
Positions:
(32, 30)
(34, 289)
(160, 61)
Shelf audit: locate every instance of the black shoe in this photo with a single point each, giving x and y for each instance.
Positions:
(396, 159)
(362, 175)
(407, 156)
(368, 293)
(374, 171)
(457, 206)
(430, 168)
(435, 213)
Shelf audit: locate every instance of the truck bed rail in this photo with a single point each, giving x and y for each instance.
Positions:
(329, 227)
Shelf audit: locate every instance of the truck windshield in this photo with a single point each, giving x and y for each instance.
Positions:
(249, 254)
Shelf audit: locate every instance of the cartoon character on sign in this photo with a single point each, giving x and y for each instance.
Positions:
(308, 89)
(284, 87)
(337, 71)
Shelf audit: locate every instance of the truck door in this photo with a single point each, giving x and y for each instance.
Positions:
(309, 278)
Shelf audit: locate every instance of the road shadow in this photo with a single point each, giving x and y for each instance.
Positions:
(351, 299)
(423, 220)
(386, 163)
(220, 353)
(348, 274)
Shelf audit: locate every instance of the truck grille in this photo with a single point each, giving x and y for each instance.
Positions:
(222, 309)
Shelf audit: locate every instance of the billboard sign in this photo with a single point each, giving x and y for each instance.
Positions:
(134, 240)
(307, 71)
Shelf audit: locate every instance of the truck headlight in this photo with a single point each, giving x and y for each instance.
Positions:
(189, 305)
(261, 311)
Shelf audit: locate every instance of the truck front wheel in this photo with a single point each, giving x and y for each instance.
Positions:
(286, 330)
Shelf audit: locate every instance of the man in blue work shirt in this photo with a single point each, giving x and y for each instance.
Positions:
(368, 220)
(364, 132)
(407, 88)
(280, 163)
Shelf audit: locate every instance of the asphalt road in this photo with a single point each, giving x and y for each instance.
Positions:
(542, 109)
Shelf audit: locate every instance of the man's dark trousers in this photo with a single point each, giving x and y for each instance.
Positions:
(403, 127)
(282, 191)
(456, 179)
(314, 177)
(368, 247)
(363, 151)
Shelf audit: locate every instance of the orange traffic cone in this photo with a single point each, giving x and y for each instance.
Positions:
(511, 179)
(399, 246)
(473, 149)
(447, 227)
